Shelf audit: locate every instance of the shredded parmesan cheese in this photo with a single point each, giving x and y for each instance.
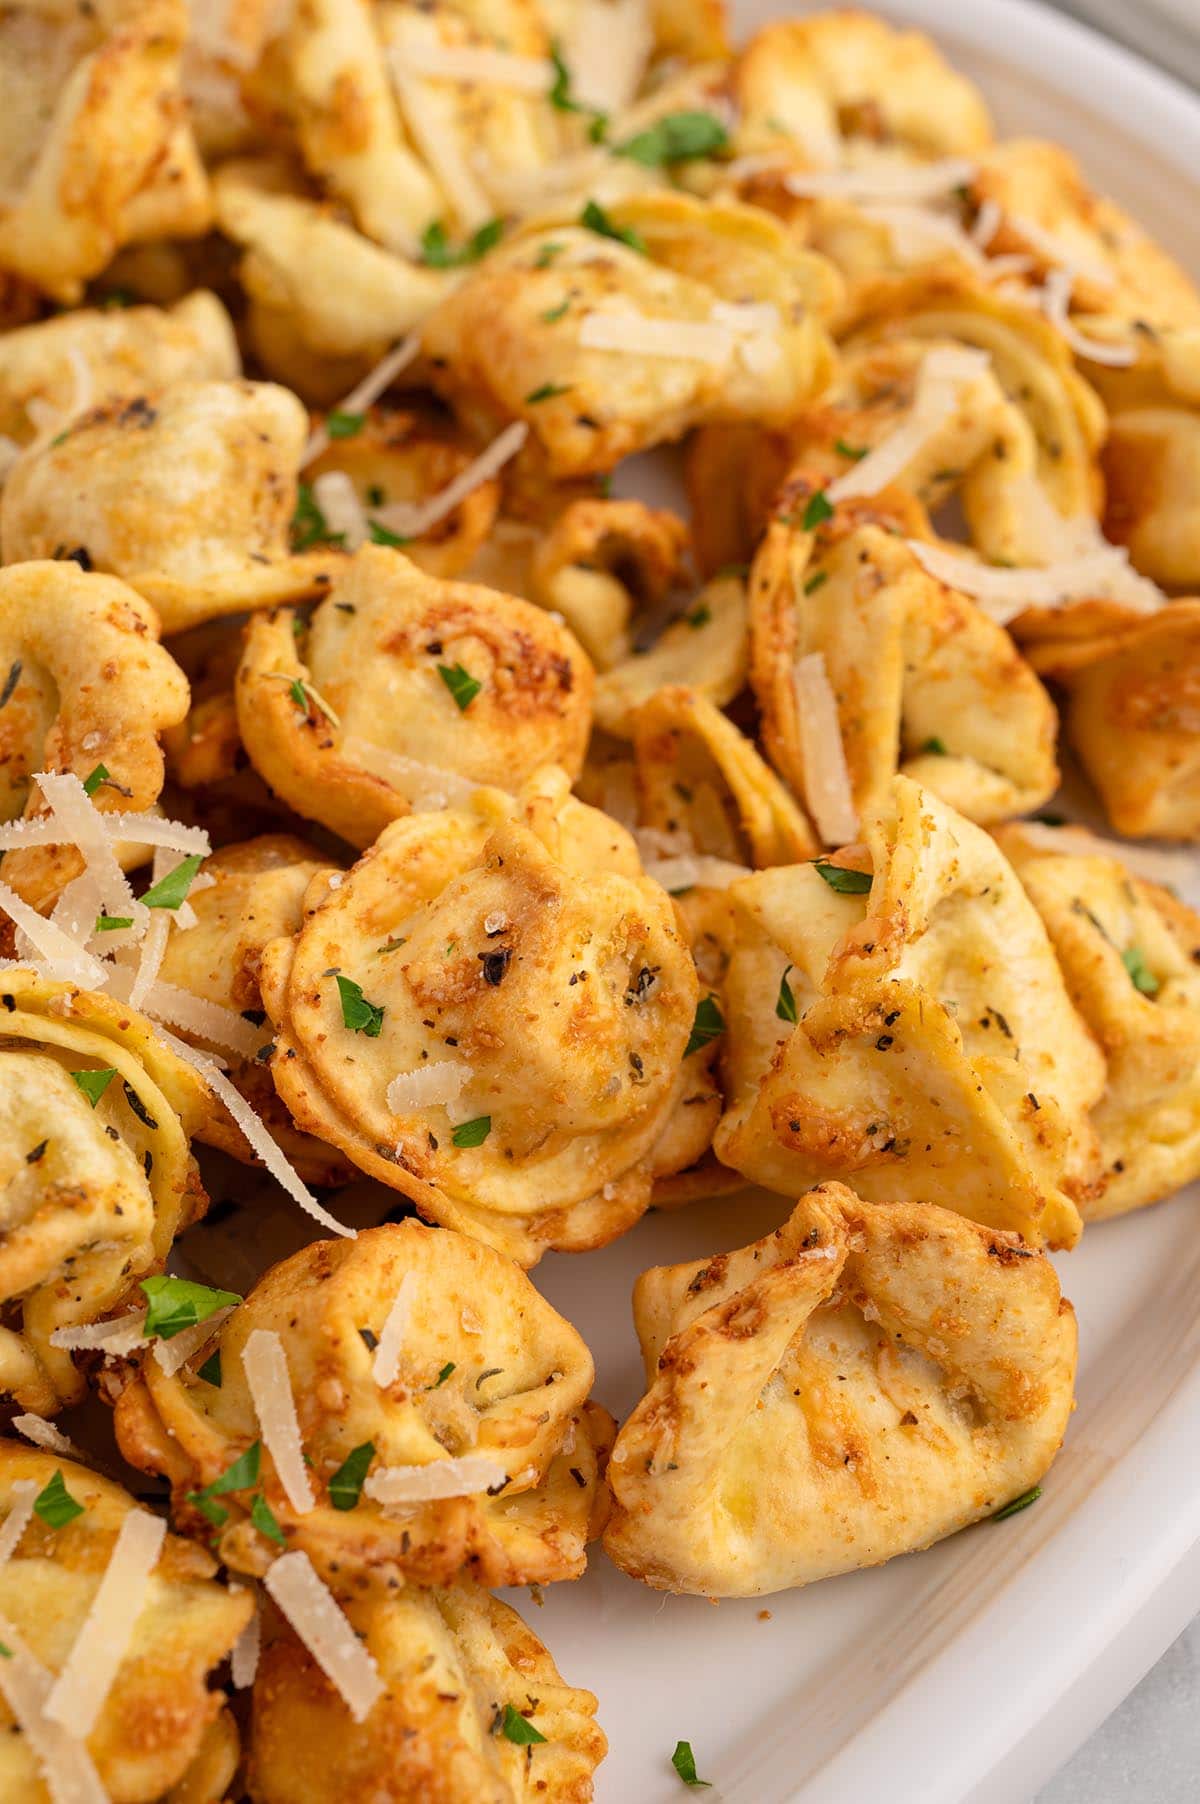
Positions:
(46, 1435)
(411, 519)
(337, 498)
(310, 1608)
(607, 52)
(423, 786)
(364, 394)
(988, 221)
(402, 1486)
(428, 1086)
(1056, 301)
(173, 1354)
(1103, 574)
(694, 871)
(106, 1632)
(243, 1660)
(21, 1494)
(638, 335)
(884, 181)
(386, 1365)
(209, 1021)
(945, 371)
(826, 779)
(63, 956)
(64, 1761)
(1058, 251)
(438, 145)
(915, 232)
(478, 63)
(121, 1336)
(265, 1365)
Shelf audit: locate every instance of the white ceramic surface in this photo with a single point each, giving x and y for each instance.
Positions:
(965, 1675)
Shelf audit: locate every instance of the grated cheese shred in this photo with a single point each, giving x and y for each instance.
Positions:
(83, 1685)
(364, 394)
(63, 1760)
(945, 371)
(411, 519)
(265, 1365)
(386, 1365)
(404, 1486)
(826, 778)
(21, 1494)
(312, 1611)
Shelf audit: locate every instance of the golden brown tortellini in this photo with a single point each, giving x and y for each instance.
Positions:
(188, 495)
(57, 368)
(96, 1174)
(1151, 457)
(85, 685)
(403, 685)
(705, 648)
(96, 149)
(452, 1662)
(163, 1730)
(604, 561)
(924, 682)
(484, 1391)
(936, 1056)
(540, 330)
(490, 1013)
(1130, 952)
(863, 1382)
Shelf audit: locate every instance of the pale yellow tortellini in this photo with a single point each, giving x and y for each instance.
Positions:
(187, 494)
(405, 689)
(863, 1382)
(162, 1725)
(96, 149)
(603, 561)
(936, 1056)
(502, 346)
(924, 682)
(490, 1013)
(452, 1661)
(705, 648)
(1130, 952)
(85, 685)
(94, 1193)
(55, 368)
(487, 1371)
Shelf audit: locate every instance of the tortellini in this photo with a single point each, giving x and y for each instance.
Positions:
(603, 560)
(396, 1010)
(705, 648)
(161, 1725)
(87, 689)
(488, 1378)
(96, 1174)
(188, 495)
(924, 681)
(437, 685)
(96, 151)
(524, 335)
(863, 1382)
(1130, 952)
(936, 1056)
(453, 1662)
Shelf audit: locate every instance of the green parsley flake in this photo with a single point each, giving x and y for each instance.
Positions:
(785, 1002)
(846, 883)
(112, 923)
(173, 1304)
(472, 1133)
(210, 1371)
(709, 1025)
(55, 1504)
(1018, 1504)
(597, 220)
(461, 684)
(92, 782)
(547, 392)
(675, 139)
(299, 698)
(553, 314)
(518, 1728)
(699, 616)
(6, 1652)
(383, 535)
(309, 525)
(344, 425)
(1140, 974)
(94, 1083)
(171, 891)
(546, 255)
(439, 253)
(855, 453)
(817, 511)
(936, 746)
(345, 1486)
(442, 1376)
(359, 1015)
(684, 1762)
(241, 1476)
(264, 1520)
(816, 581)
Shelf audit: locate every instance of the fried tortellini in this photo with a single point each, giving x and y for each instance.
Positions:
(522, 336)
(936, 1056)
(490, 1013)
(87, 688)
(96, 1172)
(188, 495)
(453, 1662)
(924, 681)
(863, 1382)
(487, 1374)
(1130, 952)
(163, 1731)
(401, 675)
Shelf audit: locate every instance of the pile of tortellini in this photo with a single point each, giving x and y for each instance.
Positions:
(394, 801)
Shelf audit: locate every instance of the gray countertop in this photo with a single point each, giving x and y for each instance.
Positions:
(1148, 1752)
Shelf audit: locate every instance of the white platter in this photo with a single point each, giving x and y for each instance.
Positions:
(967, 1674)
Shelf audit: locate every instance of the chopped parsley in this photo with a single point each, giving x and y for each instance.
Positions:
(546, 255)
(112, 923)
(846, 883)
(472, 1133)
(699, 616)
(816, 581)
(518, 1728)
(785, 1002)
(708, 1025)
(344, 425)
(1140, 974)
(359, 1015)
(55, 1504)
(241, 1476)
(383, 535)
(684, 1762)
(171, 891)
(597, 220)
(546, 392)
(210, 1371)
(439, 253)
(94, 1083)
(461, 684)
(553, 314)
(309, 525)
(676, 138)
(855, 453)
(299, 698)
(561, 97)
(173, 1304)
(345, 1486)
(817, 510)
(442, 1376)
(1018, 1504)
(264, 1520)
(92, 782)
(936, 746)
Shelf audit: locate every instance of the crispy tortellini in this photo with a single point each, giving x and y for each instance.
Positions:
(400, 675)
(1130, 952)
(490, 1013)
(706, 649)
(96, 149)
(96, 1173)
(924, 681)
(162, 1726)
(600, 563)
(487, 1372)
(453, 1661)
(86, 687)
(936, 1056)
(863, 1382)
(188, 495)
(517, 339)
